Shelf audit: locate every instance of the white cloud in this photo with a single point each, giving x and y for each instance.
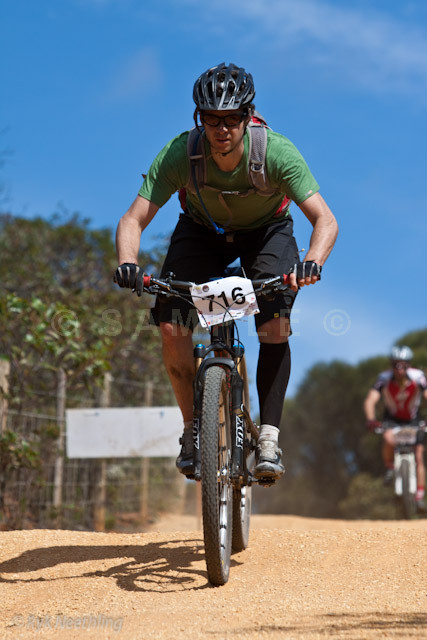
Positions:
(372, 48)
(137, 77)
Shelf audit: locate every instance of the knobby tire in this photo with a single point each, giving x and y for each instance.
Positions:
(217, 502)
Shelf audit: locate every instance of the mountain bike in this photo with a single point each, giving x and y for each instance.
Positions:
(224, 434)
(405, 470)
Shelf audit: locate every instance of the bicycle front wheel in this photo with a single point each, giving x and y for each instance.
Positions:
(217, 492)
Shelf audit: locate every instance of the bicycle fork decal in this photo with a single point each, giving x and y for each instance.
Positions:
(240, 431)
(196, 433)
(238, 444)
(197, 451)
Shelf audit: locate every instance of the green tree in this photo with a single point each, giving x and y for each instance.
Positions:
(40, 337)
(64, 261)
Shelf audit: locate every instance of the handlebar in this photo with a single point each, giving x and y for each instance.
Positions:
(421, 426)
(169, 285)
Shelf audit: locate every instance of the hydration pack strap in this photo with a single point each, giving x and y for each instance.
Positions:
(197, 164)
(257, 152)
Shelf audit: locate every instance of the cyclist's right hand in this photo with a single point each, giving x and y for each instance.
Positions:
(129, 275)
(371, 425)
(304, 273)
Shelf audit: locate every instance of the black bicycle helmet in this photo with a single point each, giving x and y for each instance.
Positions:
(221, 88)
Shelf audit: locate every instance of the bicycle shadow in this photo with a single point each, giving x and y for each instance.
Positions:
(157, 566)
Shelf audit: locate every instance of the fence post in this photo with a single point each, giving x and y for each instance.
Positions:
(101, 486)
(4, 390)
(145, 462)
(59, 462)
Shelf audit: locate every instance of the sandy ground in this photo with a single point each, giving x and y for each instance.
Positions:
(300, 578)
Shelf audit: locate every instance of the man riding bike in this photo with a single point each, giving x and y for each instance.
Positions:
(401, 388)
(223, 219)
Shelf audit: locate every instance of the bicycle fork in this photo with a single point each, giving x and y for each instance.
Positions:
(237, 427)
(399, 457)
(199, 351)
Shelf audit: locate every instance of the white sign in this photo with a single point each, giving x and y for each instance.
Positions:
(123, 433)
(224, 299)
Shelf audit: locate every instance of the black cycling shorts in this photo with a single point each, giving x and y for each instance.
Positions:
(197, 253)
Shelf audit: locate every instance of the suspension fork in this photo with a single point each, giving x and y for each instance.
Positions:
(199, 352)
(237, 426)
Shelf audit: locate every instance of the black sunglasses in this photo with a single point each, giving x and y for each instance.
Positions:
(230, 121)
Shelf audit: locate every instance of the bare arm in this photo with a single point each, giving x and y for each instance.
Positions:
(325, 228)
(130, 227)
(370, 404)
(325, 231)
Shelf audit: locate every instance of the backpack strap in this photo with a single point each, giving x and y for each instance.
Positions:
(197, 160)
(197, 175)
(256, 159)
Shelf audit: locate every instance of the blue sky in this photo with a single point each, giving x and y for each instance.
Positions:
(92, 90)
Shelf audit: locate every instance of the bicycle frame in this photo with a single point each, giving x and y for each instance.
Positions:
(224, 435)
(404, 456)
(225, 352)
(405, 468)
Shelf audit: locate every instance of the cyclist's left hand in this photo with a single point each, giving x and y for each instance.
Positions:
(304, 273)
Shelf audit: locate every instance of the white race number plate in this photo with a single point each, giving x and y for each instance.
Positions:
(225, 299)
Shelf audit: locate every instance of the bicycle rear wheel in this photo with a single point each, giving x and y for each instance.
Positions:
(408, 498)
(217, 502)
(242, 497)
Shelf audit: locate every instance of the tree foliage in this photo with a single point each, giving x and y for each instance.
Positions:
(59, 307)
(40, 337)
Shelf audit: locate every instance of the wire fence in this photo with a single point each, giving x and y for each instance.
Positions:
(41, 488)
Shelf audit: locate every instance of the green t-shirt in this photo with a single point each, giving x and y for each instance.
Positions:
(287, 171)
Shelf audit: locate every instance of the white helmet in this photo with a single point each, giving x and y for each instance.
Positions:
(402, 354)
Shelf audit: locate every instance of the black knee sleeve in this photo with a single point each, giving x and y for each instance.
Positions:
(274, 367)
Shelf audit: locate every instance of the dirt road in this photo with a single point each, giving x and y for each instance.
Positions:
(299, 579)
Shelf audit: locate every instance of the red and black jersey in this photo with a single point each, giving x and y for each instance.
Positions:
(402, 398)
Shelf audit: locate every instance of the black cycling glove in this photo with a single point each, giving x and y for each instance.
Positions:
(130, 276)
(306, 269)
